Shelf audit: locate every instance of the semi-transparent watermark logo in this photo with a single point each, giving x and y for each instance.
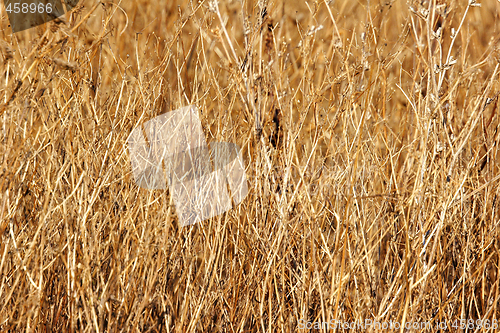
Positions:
(26, 14)
(172, 151)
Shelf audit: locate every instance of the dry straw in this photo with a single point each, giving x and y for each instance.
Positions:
(370, 135)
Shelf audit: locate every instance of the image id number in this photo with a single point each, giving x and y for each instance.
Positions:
(472, 324)
(26, 8)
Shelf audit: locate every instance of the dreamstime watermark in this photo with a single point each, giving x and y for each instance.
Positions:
(176, 155)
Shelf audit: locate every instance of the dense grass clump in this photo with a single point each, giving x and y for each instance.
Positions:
(369, 129)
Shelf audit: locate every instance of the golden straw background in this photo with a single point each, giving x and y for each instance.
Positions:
(370, 132)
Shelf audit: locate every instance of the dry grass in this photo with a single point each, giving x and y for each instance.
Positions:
(370, 131)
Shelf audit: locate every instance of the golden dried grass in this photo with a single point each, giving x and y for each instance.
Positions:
(370, 132)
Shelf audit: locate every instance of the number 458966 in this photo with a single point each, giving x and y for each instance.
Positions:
(475, 324)
(31, 8)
